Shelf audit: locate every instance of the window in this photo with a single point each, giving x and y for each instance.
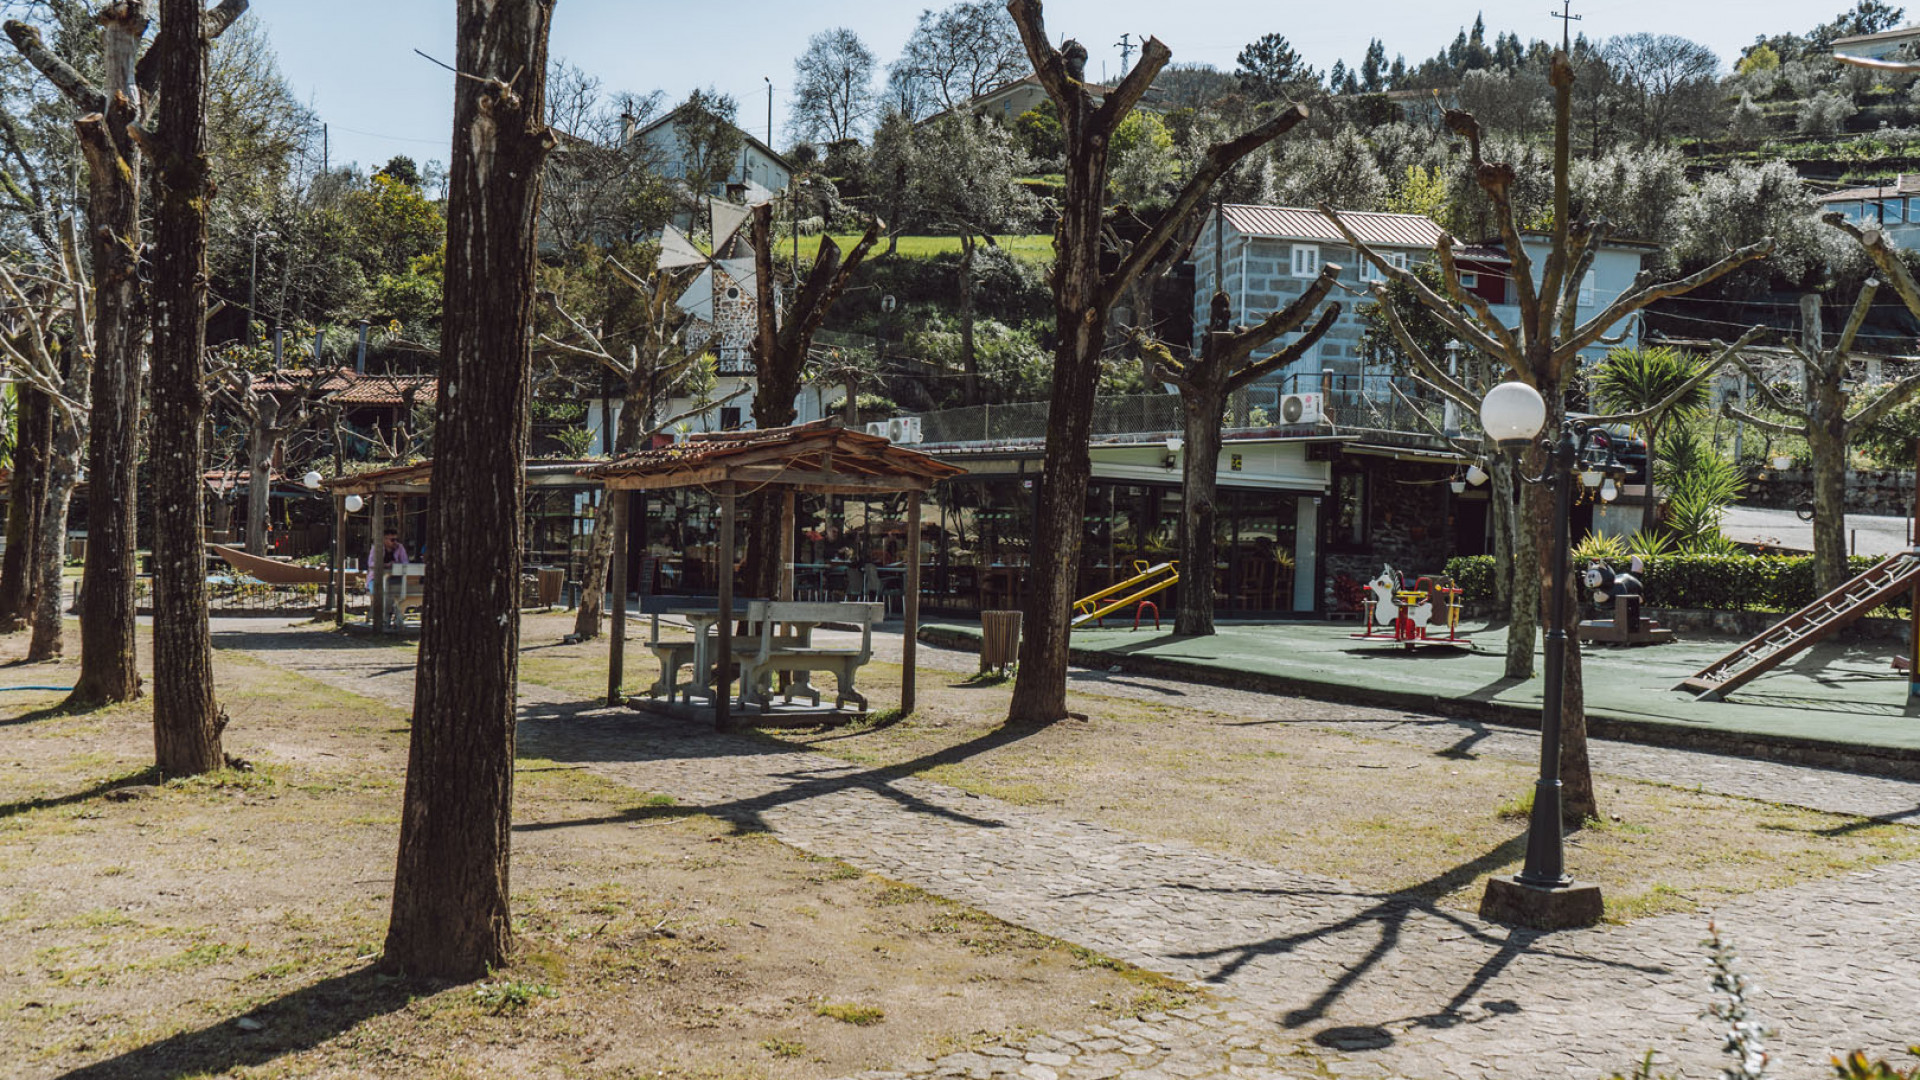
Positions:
(1469, 279)
(729, 418)
(1396, 259)
(1306, 260)
(1586, 290)
(1350, 509)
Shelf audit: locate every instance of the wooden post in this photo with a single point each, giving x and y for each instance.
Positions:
(786, 544)
(339, 561)
(910, 604)
(618, 507)
(723, 663)
(377, 566)
(1913, 616)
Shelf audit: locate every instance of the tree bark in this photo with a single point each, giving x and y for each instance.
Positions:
(49, 544)
(261, 435)
(107, 671)
(593, 590)
(1578, 800)
(1827, 449)
(451, 914)
(187, 719)
(1500, 509)
(32, 434)
(1201, 409)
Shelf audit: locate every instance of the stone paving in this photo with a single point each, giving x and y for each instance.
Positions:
(1308, 976)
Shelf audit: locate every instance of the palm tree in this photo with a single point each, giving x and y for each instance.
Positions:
(1636, 380)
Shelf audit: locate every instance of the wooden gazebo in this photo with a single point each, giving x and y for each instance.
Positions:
(822, 458)
(397, 482)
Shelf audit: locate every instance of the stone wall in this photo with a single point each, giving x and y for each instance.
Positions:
(1887, 492)
(1409, 527)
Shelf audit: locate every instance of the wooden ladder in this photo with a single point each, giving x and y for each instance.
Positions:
(1811, 624)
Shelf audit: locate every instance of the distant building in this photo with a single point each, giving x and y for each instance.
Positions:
(1010, 99)
(1894, 206)
(1898, 44)
(758, 172)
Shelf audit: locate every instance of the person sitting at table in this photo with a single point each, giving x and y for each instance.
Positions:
(396, 553)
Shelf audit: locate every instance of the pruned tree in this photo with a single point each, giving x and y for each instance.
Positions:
(1542, 350)
(32, 442)
(187, 718)
(1224, 365)
(107, 111)
(782, 344)
(51, 351)
(832, 87)
(1089, 275)
(1828, 414)
(656, 366)
(966, 183)
(451, 900)
(603, 185)
(273, 412)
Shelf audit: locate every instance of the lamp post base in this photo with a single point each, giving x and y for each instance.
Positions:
(1516, 903)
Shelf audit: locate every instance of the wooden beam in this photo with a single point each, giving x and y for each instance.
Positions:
(786, 544)
(339, 560)
(910, 605)
(723, 665)
(618, 508)
(377, 567)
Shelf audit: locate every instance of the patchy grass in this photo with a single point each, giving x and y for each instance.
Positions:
(232, 924)
(849, 1013)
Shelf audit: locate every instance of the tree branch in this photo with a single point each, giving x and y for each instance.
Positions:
(1726, 355)
(1857, 318)
(1729, 409)
(1633, 301)
(1288, 355)
(1219, 158)
(83, 95)
(1241, 343)
(1153, 56)
(1871, 413)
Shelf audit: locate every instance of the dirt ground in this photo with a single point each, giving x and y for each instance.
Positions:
(231, 925)
(1383, 814)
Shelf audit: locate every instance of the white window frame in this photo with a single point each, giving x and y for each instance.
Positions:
(1587, 284)
(1469, 279)
(1396, 259)
(1306, 260)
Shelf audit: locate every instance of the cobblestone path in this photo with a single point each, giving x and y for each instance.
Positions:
(1310, 976)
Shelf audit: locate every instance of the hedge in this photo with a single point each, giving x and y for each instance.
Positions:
(1773, 583)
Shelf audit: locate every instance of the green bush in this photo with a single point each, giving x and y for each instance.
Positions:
(1770, 583)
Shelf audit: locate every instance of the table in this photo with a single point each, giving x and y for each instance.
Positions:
(702, 621)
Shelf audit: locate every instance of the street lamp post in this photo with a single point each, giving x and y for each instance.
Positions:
(1542, 895)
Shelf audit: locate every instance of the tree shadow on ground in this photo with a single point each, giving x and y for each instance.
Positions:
(291, 1024)
(1389, 914)
(148, 775)
(591, 733)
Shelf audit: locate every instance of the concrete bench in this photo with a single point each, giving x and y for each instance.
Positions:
(406, 593)
(771, 652)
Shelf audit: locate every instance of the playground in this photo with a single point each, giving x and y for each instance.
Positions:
(1838, 697)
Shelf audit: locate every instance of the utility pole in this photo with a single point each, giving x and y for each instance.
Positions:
(1126, 53)
(769, 81)
(1567, 19)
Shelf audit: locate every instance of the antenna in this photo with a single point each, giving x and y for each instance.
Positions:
(1567, 19)
(1126, 47)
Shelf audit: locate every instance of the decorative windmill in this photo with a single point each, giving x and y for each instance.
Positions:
(732, 257)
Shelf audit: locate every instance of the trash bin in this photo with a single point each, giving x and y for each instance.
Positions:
(999, 640)
(550, 580)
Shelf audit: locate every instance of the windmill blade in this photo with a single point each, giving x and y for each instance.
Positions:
(727, 219)
(697, 301)
(741, 271)
(676, 251)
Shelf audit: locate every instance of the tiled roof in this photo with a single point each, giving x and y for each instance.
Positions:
(1298, 223)
(799, 453)
(389, 390)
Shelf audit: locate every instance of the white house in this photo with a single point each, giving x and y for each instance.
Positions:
(1010, 99)
(1886, 45)
(758, 172)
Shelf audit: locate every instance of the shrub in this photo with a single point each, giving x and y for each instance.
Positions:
(1767, 583)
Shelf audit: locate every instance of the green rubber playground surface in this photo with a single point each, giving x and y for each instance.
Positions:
(1835, 693)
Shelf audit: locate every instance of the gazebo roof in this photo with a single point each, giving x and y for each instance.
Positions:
(417, 478)
(821, 457)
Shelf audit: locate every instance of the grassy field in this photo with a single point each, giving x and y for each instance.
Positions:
(1035, 248)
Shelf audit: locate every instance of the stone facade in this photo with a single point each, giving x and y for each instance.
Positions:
(1887, 492)
(1409, 513)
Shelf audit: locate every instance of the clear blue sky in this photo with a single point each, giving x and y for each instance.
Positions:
(353, 60)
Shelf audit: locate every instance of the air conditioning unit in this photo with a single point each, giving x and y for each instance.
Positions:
(911, 425)
(1302, 409)
(897, 429)
(880, 428)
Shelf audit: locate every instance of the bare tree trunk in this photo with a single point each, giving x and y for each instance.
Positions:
(260, 440)
(1194, 615)
(1827, 449)
(1524, 594)
(107, 672)
(969, 360)
(451, 913)
(32, 433)
(49, 545)
(187, 719)
(593, 590)
(1500, 510)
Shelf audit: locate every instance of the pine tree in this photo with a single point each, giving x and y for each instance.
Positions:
(1373, 70)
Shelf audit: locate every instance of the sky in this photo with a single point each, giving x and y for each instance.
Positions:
(353, 61)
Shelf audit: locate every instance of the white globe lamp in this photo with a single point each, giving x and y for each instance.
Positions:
(1512, 414)
(354, 503)
(312, 481)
